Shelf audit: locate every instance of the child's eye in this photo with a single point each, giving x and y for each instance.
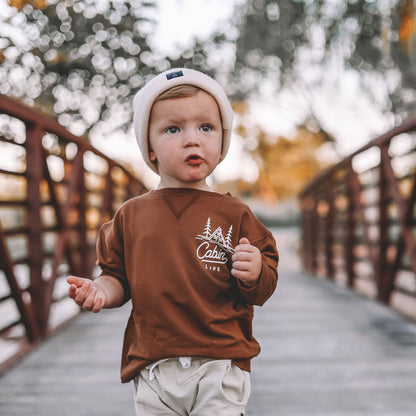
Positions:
(172, 130)
(206, 128)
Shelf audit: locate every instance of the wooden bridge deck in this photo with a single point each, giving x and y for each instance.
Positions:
(325, 351)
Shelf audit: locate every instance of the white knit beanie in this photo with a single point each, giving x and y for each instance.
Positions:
(144, 99)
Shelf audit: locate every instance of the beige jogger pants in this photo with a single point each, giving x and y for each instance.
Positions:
(206, 388)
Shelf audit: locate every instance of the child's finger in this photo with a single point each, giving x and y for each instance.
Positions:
(82, 292)
(244, 240)
(98, 305)
(240, 274)
(72, 291)
(239, 267)
(75, 280)
(90, 298)
(244, 246)
(241, 256)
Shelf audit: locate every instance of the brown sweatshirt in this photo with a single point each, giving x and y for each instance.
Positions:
(171, 251)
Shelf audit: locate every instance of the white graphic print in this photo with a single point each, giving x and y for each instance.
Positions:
(215, 248)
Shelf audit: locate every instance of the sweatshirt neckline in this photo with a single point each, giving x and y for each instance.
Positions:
(184, 191)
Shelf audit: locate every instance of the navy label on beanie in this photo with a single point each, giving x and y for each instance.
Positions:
(174, 75)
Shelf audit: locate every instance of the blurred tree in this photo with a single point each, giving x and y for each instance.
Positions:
(302, 42)
(82, 60)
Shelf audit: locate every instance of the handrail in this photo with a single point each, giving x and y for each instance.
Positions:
(359, 220)
(56, 190)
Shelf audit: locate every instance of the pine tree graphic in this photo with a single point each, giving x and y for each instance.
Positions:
(207, 229)
(217, 237)
(228, 237)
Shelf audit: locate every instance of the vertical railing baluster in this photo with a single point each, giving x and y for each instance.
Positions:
(83, 249)
(34, 163)
(351, 226)
(329, 228)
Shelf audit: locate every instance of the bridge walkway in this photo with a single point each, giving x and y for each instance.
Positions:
(325, 351)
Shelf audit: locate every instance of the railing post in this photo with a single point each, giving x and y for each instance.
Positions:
(329, 229)
(309, 232)
(384, 198)
(307, 207)
(84, 251)
(351, 226)
(108, 197)
(34, 161)
(314, 240)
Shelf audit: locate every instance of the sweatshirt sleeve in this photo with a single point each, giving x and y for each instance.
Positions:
(110, 253)
(266, 285)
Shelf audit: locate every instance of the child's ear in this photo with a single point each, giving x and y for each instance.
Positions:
(152, 155)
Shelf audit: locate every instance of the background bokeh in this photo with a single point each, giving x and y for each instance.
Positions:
(310, 81)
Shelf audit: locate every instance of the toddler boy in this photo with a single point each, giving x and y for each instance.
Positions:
(192, 261)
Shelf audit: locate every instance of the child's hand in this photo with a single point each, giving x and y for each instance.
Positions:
(86, 293)
(246, 263)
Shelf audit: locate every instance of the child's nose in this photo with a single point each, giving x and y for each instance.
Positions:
(191, 138)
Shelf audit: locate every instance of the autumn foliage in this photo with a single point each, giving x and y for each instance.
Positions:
(19, 4)
(285, 164)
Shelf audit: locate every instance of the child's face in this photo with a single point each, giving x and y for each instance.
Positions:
(185, 136)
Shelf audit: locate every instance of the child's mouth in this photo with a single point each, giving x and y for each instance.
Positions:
(193, 160)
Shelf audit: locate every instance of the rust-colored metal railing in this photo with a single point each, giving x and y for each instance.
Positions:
(55, 192)
(359, 220)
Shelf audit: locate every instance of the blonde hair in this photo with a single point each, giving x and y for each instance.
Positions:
(180, 91)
